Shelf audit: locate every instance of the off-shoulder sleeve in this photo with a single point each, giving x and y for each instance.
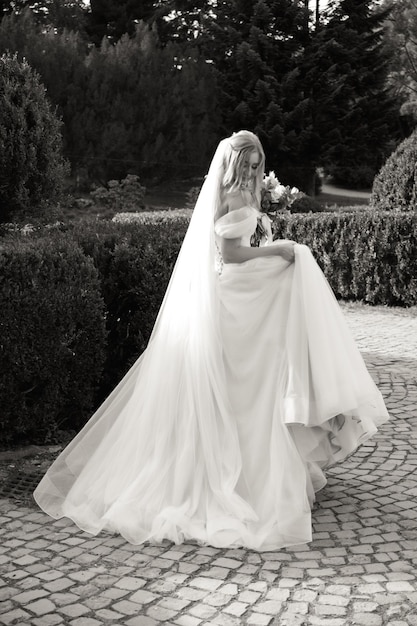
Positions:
(236, 223)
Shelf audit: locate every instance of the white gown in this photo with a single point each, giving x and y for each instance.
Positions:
(292, 396)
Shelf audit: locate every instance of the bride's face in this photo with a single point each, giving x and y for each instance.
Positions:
(251, 165)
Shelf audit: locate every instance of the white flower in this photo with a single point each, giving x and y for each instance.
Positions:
(277, 192)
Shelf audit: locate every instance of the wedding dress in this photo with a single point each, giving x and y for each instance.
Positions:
(251, 385)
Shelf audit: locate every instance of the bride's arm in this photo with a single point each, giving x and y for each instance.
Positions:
(234, 252)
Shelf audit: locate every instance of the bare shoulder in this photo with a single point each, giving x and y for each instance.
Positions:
(233, 200)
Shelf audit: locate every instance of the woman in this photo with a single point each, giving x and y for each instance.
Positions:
(250, 385)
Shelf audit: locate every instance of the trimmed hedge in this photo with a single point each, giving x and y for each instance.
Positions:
(135, 262)
(52, 293)
(366, 255)
(52, 339)
(395, 185)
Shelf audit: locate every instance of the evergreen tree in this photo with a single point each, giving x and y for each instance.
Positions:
(254, 48)
(149, 110)
(32, 169)
(114, 18)
(70, 14)
(59, 58)
(367, 120)
(400, 40)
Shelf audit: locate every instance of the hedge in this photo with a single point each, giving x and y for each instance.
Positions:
(366, 255)
(52, 339)
(56, 292)
(395, 186)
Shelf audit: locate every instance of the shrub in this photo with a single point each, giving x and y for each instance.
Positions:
(365, 255)
(53, 338)
(135, 262)
(126, 195)
(32, 169)
(395, 186)
(50, 304)
(155, 217)
(352, 176)
(306, 204)
(192, 196)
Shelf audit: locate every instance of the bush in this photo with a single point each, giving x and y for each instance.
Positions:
(365, 255)
(32, 169)
(306, 204)
(135, 262)
(53, 338)
(50, 305)
(395, 186)
(125, 195)
(352, 177)
(192, 196)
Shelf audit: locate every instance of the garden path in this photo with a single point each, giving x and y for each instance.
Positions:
(361, 567)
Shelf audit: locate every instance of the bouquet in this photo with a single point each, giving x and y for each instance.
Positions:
(275, 196)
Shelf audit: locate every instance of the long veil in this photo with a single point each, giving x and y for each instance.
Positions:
(170, 409)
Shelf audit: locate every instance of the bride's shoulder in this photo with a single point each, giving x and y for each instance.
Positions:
(236, 222)
(237, 215)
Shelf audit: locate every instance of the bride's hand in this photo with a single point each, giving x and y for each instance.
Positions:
(286, 249)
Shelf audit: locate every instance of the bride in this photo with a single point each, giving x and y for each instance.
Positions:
(251, 385)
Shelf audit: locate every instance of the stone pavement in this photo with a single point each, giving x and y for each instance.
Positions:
(361, 567)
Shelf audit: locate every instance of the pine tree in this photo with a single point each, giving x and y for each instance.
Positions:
(32, 169)
(59, 58)
(400, 41)
(149, 110)
(367, 120)
(114, 18)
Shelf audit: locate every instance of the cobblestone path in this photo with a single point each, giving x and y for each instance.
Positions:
(361, 567)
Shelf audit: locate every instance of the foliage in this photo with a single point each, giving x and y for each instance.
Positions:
(306, 204)
(192, 196)
(112, 20)
(53, 337)
(132, 107)
(59, 58)
(314, 96)
(126, 194)
(134, 262)
(59, 14)
(351, 47)
(32, 169)
(51, 299)
(155, 217)
(400, 28)
(366, 255)
(153, 97)
(395, 186)
(130, 125)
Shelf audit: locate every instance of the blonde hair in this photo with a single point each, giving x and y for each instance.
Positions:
(239, 147)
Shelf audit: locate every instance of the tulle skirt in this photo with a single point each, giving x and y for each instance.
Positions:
(226, 452)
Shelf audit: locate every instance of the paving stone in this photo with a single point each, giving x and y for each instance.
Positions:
(204, 611)
(40, 607)
(367, 619)
(259, 619)
(75, 610)
(142, 597)
(47, 620)
(187, 620)
(11, 617)
(359, 568)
